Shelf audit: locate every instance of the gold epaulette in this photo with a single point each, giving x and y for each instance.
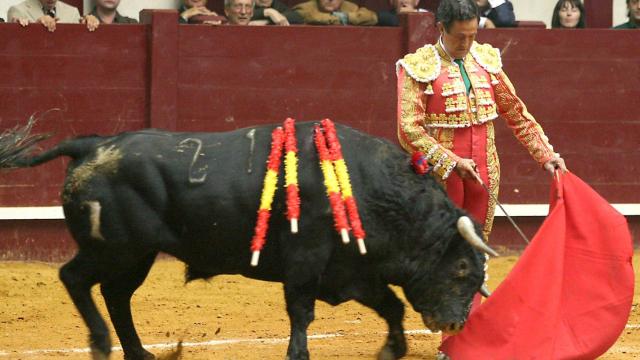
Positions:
(488, 57)
(423, 65)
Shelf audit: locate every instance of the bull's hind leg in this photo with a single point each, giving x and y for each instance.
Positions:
(78, 276)
(389, 307)
(300, 301)
(117, 292)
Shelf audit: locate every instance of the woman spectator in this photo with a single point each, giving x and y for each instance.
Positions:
(568, 14)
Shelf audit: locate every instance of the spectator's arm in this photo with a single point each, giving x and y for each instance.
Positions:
(362, 16)
(313, 16)
(276, 17)
(16, 16)
(501, 13)
(258, 13)
(293, 17)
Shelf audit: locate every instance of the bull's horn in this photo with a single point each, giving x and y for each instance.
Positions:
(484, 291)
(466, 229)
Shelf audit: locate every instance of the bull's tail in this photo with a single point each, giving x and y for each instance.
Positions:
(17, 145)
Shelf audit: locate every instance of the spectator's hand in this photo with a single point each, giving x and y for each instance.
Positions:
(482, 3)
(276, 17)
(212, 22)
(466, 168)
(488, 24)
(342, 16)
(196, 10)
(555, 163)
(91, 21)
(22, 21)
(48, 22)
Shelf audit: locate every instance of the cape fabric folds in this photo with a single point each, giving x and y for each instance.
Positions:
(570, 294)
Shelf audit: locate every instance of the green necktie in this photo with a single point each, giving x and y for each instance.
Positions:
(465, 77)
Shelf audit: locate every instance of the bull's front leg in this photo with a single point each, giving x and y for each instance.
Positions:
(300, 301)
(385, 302)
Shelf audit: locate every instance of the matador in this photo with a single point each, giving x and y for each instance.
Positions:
(447, 101)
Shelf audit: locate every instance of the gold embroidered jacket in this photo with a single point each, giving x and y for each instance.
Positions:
(432, 101)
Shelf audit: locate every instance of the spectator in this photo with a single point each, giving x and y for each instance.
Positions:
(390, 18)
(106, 11)
(239, 12)
(196, 12)
(49, 13)
(335, 12)
(634, 15)
(275, 12)
(568, 14)
(496, 13)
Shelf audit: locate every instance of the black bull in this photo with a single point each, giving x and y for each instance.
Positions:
(195, 196)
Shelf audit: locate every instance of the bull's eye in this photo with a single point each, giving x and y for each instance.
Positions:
(462, 268)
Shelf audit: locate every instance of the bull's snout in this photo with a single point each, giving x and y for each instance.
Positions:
(448, 328)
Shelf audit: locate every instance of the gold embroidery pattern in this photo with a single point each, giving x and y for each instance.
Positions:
(479, 82)
(486, 113)
(447, 120)
(493, 170)
(444, 137)
(453, 87)
(411, 109)
(483, 97)
(455, 103)
(454, 71)
(429, 89)
(487, 56)
(423, 65)
(411, 126)
(523, 124)
(443, 163)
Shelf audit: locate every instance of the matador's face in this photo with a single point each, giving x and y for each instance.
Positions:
(460, 36)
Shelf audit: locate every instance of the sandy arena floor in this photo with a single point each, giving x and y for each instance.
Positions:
(229, 317)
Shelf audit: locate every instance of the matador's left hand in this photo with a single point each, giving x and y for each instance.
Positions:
(555, 163)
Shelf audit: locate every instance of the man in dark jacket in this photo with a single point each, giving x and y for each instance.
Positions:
(496, 13)
(275, 12)
(633, 6)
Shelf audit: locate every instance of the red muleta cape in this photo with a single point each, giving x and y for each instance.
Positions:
(570, 294)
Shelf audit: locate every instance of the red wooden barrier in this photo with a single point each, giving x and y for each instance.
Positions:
(200, 78)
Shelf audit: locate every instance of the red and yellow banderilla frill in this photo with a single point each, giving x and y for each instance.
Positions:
(344, 182)
(291, 174)
(331, 184)
(268, 191)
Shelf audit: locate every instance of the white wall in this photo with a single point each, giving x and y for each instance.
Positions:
(542, 10)
(525, 9)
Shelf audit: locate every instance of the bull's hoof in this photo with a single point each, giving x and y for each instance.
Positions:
(97, 354)
(144, 355)
(100, 347)
(394, 348)
(390, 352)
(302, 356)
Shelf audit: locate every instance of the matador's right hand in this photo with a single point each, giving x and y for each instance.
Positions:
(467, 169)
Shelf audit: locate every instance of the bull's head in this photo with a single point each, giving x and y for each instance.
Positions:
(443, 290)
